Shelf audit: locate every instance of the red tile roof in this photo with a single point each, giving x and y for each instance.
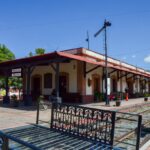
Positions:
(40, 59)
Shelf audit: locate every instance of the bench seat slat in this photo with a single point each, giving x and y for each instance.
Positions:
(51, 139)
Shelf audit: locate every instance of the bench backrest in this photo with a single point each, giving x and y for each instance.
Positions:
(92, 124)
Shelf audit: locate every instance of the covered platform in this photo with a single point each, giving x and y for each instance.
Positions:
(74, 76)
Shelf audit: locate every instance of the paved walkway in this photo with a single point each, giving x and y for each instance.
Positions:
(12, 117)
(124, 104)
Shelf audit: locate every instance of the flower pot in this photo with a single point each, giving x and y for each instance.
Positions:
(145, 99)
(118, 103)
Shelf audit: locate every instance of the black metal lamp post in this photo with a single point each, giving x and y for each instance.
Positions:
(106, 24)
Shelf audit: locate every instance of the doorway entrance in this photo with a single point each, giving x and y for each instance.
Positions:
(96, 83)
(130, 88)
(63, 84)
(114, 85)
(36, 86)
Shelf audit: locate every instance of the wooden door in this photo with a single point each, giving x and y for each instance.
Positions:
(36, 87)
(62, 85)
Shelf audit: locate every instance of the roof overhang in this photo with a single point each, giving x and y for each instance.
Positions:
(61, 57)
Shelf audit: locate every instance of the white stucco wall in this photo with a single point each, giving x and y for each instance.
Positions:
(70, 68)
(147, 88)
(138, 84)
(124, 84)
(118, 86)
(97, 71)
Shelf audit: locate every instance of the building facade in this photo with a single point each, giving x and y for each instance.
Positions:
(79, 81)
(77, 76)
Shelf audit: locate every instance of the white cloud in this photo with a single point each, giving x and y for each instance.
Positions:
(147, 59)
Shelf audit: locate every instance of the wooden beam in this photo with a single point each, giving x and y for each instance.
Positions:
(112, 71)
(84, 69)
(103, 79)
(32, 69)
(118, 75)
(125, 75)
(28, 80)
(53, 67)
(92, 69)
(131, 77)
(57, 79)
(26, 64)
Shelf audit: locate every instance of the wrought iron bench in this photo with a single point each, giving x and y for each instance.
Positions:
(71, 127)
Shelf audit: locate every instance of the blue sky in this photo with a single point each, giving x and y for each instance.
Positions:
(62, 24)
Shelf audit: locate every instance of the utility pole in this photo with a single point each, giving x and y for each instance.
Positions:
(88, 40)
(106, 24)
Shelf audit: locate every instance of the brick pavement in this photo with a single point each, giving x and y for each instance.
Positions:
(12, 117)
(124, 104)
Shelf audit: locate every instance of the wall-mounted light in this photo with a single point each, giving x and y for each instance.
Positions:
(74, 66)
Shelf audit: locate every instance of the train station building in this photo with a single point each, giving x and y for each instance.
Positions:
(75, 75)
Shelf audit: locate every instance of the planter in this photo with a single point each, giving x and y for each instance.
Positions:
(145, 99)
(118, 103)
(15, 103)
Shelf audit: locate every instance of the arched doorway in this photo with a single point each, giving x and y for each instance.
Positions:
(114, 85)
(95, 83)
(130, 87)
(63, 83)
(36, 86)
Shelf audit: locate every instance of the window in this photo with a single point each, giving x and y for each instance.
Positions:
(48, 80)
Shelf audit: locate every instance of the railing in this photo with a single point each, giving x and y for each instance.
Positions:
(88, 123)
(127, 130)
(94, 124)
(101, 126)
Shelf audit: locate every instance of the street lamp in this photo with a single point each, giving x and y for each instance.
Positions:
(106, 24)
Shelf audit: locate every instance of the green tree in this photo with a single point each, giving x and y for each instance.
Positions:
(39, 51)
(2, 82)
(30, 54)
(16, 83)
(5, 53)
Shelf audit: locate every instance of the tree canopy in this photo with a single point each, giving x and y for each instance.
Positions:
(38, 51)
(5, 53)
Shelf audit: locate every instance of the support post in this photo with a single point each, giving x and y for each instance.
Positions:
(138, 132)
(5, 145)
(103, 81)
(106, 24)
(38, 111)
(84, 69)
(106, 70)
(121, 90)
(58, 99)
(57, 79)
(28, 97)
(6, 99)
(28, 81)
